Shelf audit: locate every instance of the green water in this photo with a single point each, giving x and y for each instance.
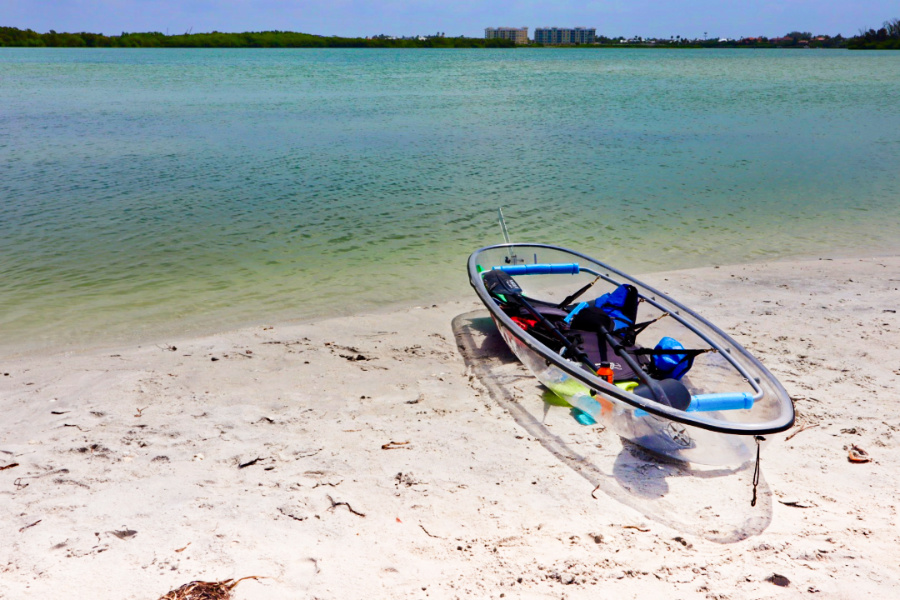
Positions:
(154, 193)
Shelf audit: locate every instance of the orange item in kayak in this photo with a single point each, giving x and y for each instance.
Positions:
(605, 372)
(525, 324)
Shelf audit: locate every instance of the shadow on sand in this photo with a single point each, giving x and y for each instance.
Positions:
(712, 503)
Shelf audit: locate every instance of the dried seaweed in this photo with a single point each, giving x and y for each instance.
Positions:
(205, 590)
(392, 445)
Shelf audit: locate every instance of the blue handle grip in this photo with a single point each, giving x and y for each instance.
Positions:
(541, 269)
(575, 311)
(724, 401)
(714, 402)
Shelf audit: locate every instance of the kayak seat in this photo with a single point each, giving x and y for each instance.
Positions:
(621, 305)
(590, 342)
(548, 310)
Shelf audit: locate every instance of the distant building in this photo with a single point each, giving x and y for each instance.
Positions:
(559, 36)
(517, 34)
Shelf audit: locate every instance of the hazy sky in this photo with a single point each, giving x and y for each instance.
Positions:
(689, 18)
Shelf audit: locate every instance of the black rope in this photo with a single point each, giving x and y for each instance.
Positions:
(758, 439)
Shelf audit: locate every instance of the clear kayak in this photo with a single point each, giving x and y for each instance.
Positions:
(628, 356)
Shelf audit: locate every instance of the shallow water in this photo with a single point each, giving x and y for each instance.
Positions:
(153, 193)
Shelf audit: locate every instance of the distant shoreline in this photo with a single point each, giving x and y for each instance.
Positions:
(15, 37)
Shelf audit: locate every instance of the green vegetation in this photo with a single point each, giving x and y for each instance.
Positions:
(886, 38)
(12, 36)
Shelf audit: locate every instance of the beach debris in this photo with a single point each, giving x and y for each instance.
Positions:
(406, 479)
(58, 412)
(802, 428)
(289, 512)
(638, 527)
(199, 456)
(214, 359)
(183, 549)
(395, 445)
(335, 504)
(858, 455)
(779, 580)
(683, 542)
(429, 534)
(5, 467)
(798, 503)
(124, 534)
(205, 590)
(328, 483)
(249, 463)
(21, 529)
(307, 452)
(140, 411)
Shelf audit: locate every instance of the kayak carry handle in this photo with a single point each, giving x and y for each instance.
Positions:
(714, 402)
(575, 311)
(541, 269)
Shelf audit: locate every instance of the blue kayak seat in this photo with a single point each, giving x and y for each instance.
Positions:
(621, 304)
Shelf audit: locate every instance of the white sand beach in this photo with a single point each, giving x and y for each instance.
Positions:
(407, 455)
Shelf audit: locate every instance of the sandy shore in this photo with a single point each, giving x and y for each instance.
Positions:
(407, 455)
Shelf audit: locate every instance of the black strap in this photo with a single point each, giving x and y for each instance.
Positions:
(570, 299)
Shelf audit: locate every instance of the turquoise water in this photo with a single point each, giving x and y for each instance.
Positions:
(149, 193)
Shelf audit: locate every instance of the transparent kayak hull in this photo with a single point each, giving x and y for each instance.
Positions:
(711, 437)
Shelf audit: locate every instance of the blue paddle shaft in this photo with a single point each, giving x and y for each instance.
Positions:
(541, 269)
